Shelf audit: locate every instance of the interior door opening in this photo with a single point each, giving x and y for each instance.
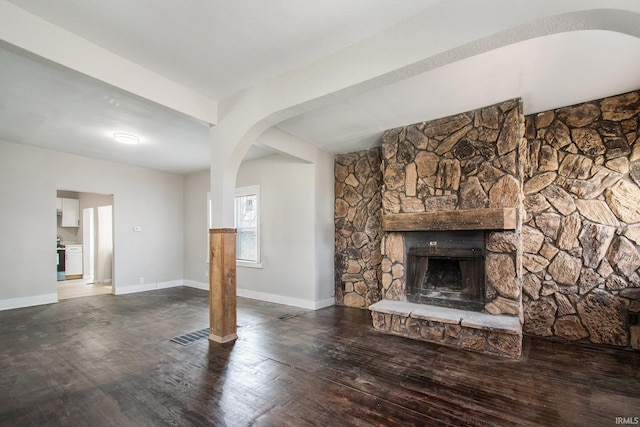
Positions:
(88, 242)
(85, 244)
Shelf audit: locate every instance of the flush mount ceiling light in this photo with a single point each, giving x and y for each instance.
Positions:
(126, 138)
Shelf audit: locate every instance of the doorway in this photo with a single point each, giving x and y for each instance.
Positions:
(85, 241)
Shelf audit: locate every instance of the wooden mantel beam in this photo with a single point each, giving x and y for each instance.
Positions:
(473, 219)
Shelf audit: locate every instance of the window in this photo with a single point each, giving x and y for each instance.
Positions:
(247, 223)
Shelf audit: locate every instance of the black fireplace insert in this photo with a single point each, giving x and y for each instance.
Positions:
(446, 269)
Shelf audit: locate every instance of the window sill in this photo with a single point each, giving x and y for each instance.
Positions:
(248, 264)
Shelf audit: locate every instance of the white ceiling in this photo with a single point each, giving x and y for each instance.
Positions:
(547, 72)
(221, 47)
(49, 106)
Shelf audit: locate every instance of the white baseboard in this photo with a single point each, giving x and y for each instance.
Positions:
(279, 299)
(123, 290)
(9, 304)
(197, 285)
(324, 303)
(170, 284)
(264, 296)
(132, 289)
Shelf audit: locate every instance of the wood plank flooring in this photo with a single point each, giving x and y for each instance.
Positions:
(108, 361)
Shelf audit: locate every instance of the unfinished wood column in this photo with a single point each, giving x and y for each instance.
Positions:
(222, 285)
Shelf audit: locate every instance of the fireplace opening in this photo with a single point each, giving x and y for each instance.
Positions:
(446, 269)
(444, 274)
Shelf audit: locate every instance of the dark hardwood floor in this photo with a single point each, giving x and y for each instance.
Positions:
(108, 360)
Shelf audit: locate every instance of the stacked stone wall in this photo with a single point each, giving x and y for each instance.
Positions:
(582, 228)
(580, 238)
(463, 162)
(358, 230)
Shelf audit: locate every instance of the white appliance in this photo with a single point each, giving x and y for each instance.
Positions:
(73, 262)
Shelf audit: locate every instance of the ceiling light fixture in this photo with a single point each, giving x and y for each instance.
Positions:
(126, 138)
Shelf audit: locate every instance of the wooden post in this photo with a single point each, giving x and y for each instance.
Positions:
(222, 285)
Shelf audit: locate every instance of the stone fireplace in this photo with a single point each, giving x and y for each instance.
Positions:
(451, 248)
(558, 215)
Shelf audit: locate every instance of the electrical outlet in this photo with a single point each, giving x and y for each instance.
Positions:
(141, 280)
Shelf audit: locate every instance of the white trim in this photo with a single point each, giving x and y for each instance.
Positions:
(251, 190)
(324, 303)
(209, 227)
(122, 290)
(279, 299)
(248, 264)
(10, 304)
(170, 284)
(196, 285)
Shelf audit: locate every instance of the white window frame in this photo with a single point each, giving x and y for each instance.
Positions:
(209, 227)
(250, 191)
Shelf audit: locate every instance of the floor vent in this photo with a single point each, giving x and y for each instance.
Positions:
(286, 316)
(192, 337)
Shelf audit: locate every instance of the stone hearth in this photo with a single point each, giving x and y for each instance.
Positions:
(482, 332)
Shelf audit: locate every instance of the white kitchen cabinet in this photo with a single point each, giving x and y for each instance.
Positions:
(73, 262)
(70, 213)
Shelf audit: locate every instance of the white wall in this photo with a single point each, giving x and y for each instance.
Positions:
(196, 186)
(90, 200)
(296, 231)
(324, 227)
(29, 179)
